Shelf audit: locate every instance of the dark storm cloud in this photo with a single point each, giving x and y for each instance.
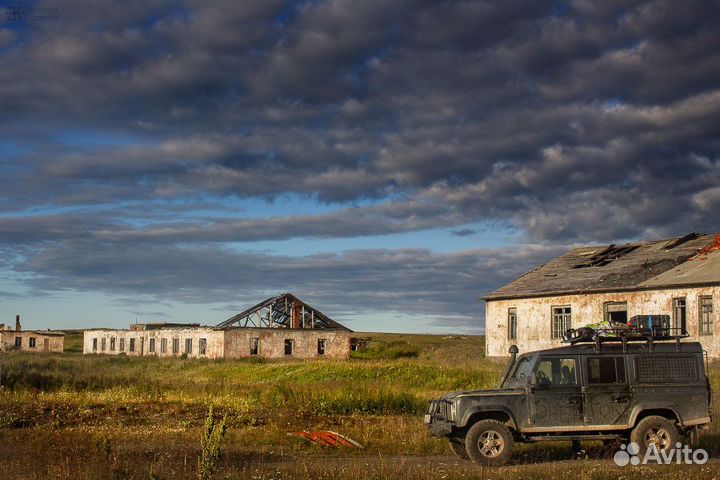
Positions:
(410, 281)
(571, 121)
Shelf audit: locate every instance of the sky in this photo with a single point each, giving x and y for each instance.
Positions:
(387, 162)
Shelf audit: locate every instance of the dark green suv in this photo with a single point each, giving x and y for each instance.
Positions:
(646, 390)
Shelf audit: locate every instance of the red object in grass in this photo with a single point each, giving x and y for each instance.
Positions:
(327, 439)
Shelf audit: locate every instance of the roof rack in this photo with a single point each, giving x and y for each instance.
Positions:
(625, 334)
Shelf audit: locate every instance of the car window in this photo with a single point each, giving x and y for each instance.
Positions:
(605, 370)
(556, 371)
(521, 374)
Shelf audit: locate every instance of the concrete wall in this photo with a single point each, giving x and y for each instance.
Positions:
(272, 343)
(94, 340)
(230, 343)
(55, 343)
(534, 316)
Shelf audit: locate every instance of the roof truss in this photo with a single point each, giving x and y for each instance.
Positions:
(283, 311)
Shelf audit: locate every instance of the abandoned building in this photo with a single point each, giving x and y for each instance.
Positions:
(679, 277)
(30, 340)
(279, 327)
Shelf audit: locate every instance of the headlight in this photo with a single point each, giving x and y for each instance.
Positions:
(452, 411)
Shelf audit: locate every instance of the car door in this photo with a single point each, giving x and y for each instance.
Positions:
(607, 395)
(555, 395)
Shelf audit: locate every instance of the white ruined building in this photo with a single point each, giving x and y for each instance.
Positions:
(679, 277)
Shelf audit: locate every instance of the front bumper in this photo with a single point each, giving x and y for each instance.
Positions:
(436, 419)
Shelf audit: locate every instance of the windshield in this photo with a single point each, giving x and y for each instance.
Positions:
(521, 375)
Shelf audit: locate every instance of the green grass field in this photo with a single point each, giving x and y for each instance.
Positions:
(74, 416)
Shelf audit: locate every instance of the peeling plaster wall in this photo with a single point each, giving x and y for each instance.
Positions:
(214, 338)
(534, 316)
(56, 343)
(229, 343)
(272, 342)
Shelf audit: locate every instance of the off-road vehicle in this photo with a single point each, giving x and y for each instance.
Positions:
(615, 385)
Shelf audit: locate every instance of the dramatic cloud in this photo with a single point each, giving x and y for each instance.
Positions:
(155, 128)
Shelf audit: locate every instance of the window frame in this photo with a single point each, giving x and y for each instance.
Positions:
(291, 343)
(122, 345)
(512, 323)
(18, 342)
(560, 319)
(151, 345)
(705, 327)
(163, 345)
(615, 359)
(131, 348)
(112, 344)
(321, 346)
(32, 342)
(576, 372)
(176, 345)
(188, 346)
(202, 346)
(675, 303)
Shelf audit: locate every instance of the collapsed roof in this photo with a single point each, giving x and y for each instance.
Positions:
(283, 311)
(691, 260)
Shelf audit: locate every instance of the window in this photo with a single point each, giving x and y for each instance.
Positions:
(112, 344)
(616, 312)
(18, 342)
(556, 371)
(202, 346)
(163, 345)
(103, 343)
(122, 344)
(561, 320)
(512, 323)
(176, 345)
(706, 316)
(151, 347)
(522, 373)
(254, 346)
(31, 342)
(606, 370)
(666, 369)
(132, 344)
(321, 347)
(188, 346)
(680, 314)
(289, 346)
(94, 343)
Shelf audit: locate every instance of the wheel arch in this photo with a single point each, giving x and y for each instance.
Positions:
(644, 411)
(499, 413)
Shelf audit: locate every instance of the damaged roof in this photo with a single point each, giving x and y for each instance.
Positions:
(693, 259)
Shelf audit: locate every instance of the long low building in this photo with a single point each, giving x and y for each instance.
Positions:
(30, 340)
(211, 342)
(279, 327)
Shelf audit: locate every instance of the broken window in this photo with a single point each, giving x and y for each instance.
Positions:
(151, 347)
(321, 347)
(176, 345)
(188, 346)
(103, 342)
(561, 320)
(254, 346)
(706, 316)
(163, 345)
(512, 323)
(31, 342)
(606, 370)
(122, 344)
(289, 344)
(132, 344)
(94, 343)
(680, 314)
(202, 346)
(112, 344)
(616, 312)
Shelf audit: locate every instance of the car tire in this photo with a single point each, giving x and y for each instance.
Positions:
(655, 430)
(489, 443)
(458, 448)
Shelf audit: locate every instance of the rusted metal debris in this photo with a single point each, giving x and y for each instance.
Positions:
(327, 438)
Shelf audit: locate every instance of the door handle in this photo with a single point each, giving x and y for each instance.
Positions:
(621, 398)
(572, 402)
